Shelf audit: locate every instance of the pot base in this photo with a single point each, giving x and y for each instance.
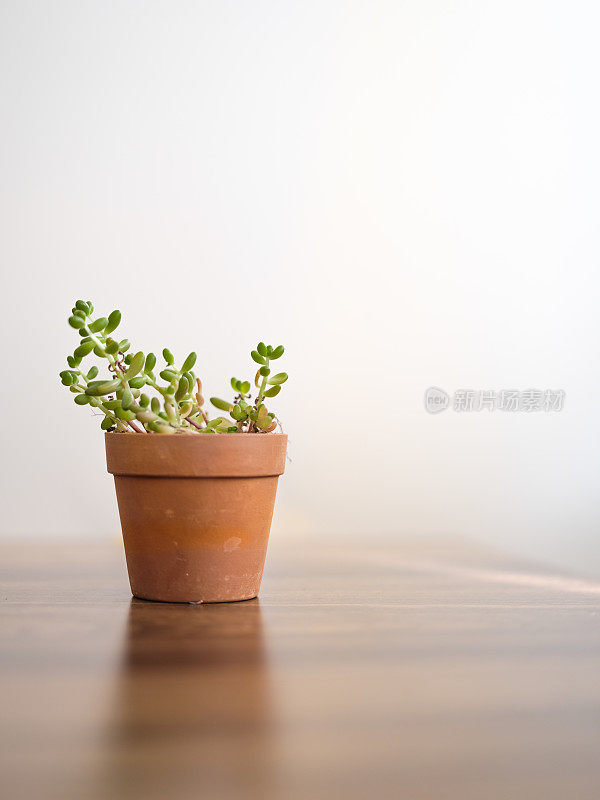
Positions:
(194, 602)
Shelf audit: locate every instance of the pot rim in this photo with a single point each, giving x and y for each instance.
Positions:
(174, 436)
(218, 456)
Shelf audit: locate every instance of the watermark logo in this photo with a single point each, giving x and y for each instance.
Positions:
(436, 400)
(527, 400)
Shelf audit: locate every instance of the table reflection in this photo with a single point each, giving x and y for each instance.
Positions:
(192, 706)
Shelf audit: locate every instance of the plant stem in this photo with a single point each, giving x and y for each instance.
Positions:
(99, 404)
(136, 428)
(121, 376)
(263, 386)
(260, 396)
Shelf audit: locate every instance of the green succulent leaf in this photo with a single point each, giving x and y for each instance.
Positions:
(73, 362)
(238, 413)
(144, 400)
(273, 391)
(150, 362)
(222, 405)
(66, 378)
(137, 383)
(127, 399)
(83, 306)
(111, 346)
(278, 352)
(185, 409)
(256, 356)
(83, 350)
(99, 324)
(114, 318)
(135, 365)
(124, 345)
(107, 424)
(182, 389)
(81, 399)
(124, 414)
(264, 371)
(215, 423)
(145, 416)
(245, 387)
(262, 348)
(93, 371)
(168, 375)
(155, 405)
(168, 357)
(224, 425)
(160, 427)
(76, 322)
(189, 362)
(281, 377)
(98, 388)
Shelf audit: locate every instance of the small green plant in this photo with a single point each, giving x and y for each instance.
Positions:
(122, 397)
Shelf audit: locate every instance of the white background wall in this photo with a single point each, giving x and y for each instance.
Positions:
(403, 193)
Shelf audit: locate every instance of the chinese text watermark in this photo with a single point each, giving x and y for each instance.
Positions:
(527, 400)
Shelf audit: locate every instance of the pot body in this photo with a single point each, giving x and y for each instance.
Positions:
(195, 512)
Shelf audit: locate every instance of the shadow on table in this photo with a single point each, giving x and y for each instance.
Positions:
(192, 711)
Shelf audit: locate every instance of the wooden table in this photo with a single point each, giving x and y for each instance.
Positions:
(414, 670)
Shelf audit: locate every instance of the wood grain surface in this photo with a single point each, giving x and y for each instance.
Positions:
(417, 670)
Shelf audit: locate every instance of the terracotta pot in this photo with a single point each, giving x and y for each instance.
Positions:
(195, 512)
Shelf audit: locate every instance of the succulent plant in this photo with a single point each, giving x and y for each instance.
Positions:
(123, 399)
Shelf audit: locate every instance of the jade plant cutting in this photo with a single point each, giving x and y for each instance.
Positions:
(131, 397)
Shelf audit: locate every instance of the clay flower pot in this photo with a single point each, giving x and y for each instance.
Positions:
(195, 511)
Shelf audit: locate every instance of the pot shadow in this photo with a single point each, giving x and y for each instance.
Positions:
(192, 711)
